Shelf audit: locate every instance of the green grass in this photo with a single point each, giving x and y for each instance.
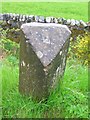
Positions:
(69, 100)
(75, 10)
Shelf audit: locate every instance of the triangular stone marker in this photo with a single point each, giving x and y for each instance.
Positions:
(42, 57)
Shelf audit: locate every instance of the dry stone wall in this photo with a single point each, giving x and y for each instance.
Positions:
(15, 20)
(9, 21)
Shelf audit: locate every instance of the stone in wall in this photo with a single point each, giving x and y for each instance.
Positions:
(43, 50)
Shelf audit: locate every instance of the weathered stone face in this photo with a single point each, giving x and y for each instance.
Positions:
(42, 57)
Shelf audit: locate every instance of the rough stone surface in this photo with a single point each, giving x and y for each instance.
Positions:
(77, 23)
(41, 19)
(60, 20)
(1, 16)
(83, 23)
(42, 57)
(72, 22)
(68, 22)
(49, 19)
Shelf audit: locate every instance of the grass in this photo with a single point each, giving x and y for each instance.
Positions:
(71, 10)
(69, 100)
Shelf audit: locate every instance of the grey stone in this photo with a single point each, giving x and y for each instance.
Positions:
(41, 19)
(11, 16)
(1, 16)
(9, 22)
(5, 16)
(23, 18)
(31, 18)
(64, 21)
(72, 22)
(83, 23)
(20, 17)
(60, 20)
(49, 19)
(36, 18)
(55, 20)
(43, 52)
(17, 17)
(27, 17)
(14, 16)
(13, 24)
(68, 22)
(77, 22)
